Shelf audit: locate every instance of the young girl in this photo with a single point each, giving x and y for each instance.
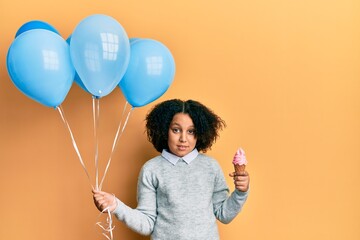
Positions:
(181, 192)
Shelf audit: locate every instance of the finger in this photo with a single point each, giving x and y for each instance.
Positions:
(96, 191)
(238, 183)
(104, 205)
(101, 194)
(235, 174)
(98, 194)
(241, 187)
(100, 202)
(98, 197)
(242, 178)
(241, 181)
(244, 173)
(244, 188)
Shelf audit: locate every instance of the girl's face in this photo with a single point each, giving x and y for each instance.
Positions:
(181, 135)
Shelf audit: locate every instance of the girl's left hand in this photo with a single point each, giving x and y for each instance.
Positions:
(241, 180)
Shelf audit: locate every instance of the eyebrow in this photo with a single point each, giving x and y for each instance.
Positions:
(177, 124)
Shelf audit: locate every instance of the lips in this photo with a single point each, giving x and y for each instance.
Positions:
(181, 147)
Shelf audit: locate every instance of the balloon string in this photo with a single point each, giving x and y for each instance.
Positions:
(96, 112)
(108, 229)
(117, 137)
(62, 114)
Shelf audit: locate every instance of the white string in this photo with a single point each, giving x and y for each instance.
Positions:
(62, 114)
(117, 137)
(96, 113)
(108, 229)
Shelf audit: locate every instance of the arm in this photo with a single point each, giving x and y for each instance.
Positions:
(226, 207)
(140, 219)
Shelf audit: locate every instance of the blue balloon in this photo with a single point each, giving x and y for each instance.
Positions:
(77, 79)
(35, 24)
(39, 64)
(150, 72)
(100, 52)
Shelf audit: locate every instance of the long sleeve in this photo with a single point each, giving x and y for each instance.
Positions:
(181, 201)
(226, 207)
(141, 219)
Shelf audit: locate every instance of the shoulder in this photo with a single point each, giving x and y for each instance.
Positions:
(207, 158)
(153, 163)
(213, 167)
(209, 161)
(150, 171)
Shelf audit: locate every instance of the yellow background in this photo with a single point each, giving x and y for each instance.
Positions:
(284, 74)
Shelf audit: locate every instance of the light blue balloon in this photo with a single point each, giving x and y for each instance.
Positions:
(77, 79)
(150, 72)
(39, 64)
(35, 24)
(100, 52)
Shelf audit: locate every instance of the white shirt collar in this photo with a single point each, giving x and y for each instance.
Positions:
(173, 159)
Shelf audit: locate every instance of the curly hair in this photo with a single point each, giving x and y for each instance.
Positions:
(207, 124)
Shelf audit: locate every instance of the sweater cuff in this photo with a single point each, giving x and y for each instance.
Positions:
(119, 210)
(241, 194)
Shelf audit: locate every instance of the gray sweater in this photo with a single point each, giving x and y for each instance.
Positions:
(181, 201)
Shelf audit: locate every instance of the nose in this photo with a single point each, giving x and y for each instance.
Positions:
(183, 137)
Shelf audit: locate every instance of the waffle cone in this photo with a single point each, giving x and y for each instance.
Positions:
(239, 168)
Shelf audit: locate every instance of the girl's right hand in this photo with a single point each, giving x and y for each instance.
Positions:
(104, 201)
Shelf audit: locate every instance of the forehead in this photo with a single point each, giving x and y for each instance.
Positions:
(182, 119)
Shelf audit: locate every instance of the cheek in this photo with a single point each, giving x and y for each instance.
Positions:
(171, 138)
(169, 135)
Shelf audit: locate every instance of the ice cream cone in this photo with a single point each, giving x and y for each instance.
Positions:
(239, 168)
(239, 161)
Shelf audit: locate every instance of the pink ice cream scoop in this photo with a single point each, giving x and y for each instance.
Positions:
(239, 160)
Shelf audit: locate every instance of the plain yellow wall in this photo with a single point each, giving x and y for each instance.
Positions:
(284, 74)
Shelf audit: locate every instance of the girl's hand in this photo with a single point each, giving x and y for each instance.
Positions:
(104, 200)
(241, 180)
